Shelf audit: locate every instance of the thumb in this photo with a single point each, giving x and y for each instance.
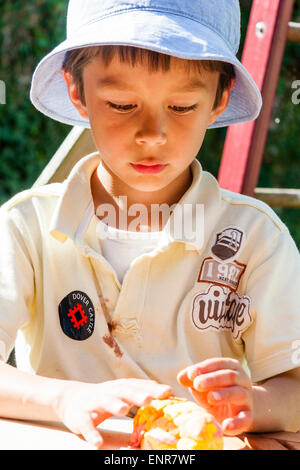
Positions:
(200, 397)
(90, 433)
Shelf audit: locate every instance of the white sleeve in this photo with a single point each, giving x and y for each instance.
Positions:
(274, 290)
(16, 279)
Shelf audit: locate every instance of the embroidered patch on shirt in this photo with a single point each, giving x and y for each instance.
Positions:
(77, 315)
(215, 309)
(221, 274)
(227, 243)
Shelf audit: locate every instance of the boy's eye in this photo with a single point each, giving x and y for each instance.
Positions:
(184, 109)
(129, 107)
(121, 107)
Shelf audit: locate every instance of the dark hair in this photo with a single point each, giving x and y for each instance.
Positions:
(75, 60)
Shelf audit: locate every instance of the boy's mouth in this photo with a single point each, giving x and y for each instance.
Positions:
(148, 167)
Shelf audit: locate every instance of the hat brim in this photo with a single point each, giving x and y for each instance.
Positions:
(165, 33)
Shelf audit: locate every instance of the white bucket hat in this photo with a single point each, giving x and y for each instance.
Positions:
(188, 29)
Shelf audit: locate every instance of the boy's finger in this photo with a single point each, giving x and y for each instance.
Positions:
(157, 393)
(221, 378)
(134, 394)
(142, 394)
(162, 391)
(212, 365)
(99, 416)
(201, 398)
(186, 376)
(183, 378)
(234, 395)
(90, 433)
(114, 406)
(237, 425)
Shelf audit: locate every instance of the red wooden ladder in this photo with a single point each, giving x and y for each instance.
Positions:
(262, 56)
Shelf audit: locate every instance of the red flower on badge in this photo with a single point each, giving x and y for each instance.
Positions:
(77, 316)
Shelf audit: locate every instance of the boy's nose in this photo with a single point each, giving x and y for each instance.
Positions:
(151, 137)
(151, 132)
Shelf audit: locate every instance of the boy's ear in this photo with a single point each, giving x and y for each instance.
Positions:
(216, 112)
(74, 95)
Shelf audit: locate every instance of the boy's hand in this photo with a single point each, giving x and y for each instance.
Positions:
(83, 406)
(223, 388)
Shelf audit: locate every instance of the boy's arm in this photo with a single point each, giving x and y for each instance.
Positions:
(28, 396)
(276, 403)
(80, 406)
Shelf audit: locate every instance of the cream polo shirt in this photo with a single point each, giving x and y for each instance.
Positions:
(228, 284)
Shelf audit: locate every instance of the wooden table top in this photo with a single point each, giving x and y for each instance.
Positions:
(29, 435)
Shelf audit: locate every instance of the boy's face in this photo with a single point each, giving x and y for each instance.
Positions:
(137, 116)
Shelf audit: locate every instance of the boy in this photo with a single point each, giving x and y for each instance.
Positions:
(110, 309)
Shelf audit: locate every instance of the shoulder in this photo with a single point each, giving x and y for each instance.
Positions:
(25, 197)
(27, 206)
(48, 193)
(251, 211)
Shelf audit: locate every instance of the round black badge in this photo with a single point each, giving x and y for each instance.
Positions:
(77, 315)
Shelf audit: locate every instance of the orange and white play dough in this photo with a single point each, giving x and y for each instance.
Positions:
(175, 423)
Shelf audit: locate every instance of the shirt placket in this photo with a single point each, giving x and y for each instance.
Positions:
(123, 358)
(124, 312)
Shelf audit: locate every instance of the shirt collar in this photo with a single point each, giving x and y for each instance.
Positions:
(195, 213)
(191, 221)
(75, 199)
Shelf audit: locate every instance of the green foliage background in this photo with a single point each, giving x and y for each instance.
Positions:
(28, 139)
